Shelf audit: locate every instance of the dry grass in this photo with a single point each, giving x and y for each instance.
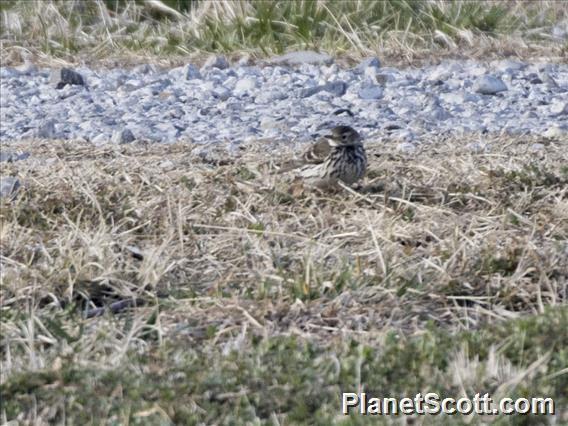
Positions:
(399, 32)
(216, 256)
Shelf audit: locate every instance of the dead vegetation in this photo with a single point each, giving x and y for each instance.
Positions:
(188, 254)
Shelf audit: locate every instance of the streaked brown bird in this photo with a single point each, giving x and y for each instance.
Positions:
(336, 157)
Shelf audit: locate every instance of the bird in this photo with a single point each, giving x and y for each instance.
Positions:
(339, 156)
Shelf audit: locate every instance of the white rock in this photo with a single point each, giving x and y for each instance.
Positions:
(556, 132)
(559, 108)
(245, 85)
(489, 85)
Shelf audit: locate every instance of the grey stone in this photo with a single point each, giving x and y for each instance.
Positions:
(8, 185)
(549, 80)
(221, 93)
(7, 72)
(191, 72)
(437, 113)
(46, 130)
(144, 69)
(382, 79)
(489, 85)
(310, 91)
(371, 62)
(122, 136)
(63, 76)
(216, 61)
(303, 57)
(370, 92)
(163, 105)
(337, 88)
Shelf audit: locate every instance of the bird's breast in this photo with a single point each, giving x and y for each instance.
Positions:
(347, 163)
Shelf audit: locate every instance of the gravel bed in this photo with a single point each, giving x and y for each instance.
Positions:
(293, 98)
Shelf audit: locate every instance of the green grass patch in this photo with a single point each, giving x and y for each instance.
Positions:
(264, 28)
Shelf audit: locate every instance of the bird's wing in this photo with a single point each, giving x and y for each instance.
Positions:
(311, 171)
(315, 154)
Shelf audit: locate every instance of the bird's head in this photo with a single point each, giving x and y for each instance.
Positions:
(344, 135)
